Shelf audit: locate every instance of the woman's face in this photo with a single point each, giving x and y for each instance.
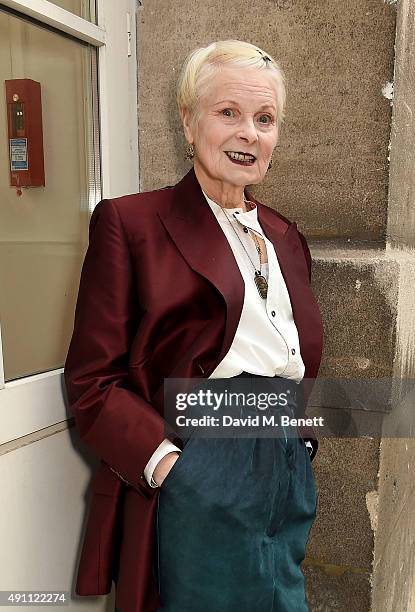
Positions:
(237, 114)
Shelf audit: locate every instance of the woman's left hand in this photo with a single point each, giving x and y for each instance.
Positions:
(164, 466)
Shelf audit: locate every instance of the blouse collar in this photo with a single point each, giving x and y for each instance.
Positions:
(251, 214)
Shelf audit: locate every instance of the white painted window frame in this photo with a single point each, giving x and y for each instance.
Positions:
(35, 402)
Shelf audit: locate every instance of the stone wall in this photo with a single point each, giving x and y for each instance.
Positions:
(394, 554)
(331, 176)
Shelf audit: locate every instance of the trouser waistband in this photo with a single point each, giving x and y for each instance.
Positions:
(271, 382)
(258, 384)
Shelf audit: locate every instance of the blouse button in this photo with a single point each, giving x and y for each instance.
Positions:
(273, 313)
(292, 351)
(245, 230)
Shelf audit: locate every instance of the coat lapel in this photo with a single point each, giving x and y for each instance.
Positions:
(196, 233)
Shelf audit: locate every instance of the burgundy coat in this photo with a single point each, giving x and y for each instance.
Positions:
(160, 296)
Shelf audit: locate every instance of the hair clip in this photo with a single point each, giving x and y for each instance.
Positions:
(264, 57)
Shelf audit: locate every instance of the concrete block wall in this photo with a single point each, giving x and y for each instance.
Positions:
(394, 552)
(333, 177)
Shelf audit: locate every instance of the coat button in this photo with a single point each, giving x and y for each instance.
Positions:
(245, 230)
(273, 313)
(292, 351)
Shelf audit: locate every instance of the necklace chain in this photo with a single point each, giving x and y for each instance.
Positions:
(260, 280)
(243, 246)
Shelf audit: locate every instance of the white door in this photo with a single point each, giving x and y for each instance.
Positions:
(78, 58)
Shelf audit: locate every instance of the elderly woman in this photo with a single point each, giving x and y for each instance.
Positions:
(198, 281)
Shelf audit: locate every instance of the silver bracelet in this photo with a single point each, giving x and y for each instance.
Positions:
(153, 483)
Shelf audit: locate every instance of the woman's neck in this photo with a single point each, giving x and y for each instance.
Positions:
(225, 195)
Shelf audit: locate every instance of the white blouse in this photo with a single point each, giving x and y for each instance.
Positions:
(266, 340)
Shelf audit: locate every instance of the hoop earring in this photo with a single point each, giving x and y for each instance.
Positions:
(189, 152)
(270, 163)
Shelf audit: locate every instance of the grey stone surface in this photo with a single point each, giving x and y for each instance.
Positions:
(331, 171)
(394, 555)
(345, 471)
(337, 589)
(357, 295)
(401, 218)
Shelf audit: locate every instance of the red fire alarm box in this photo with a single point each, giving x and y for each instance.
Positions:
(24, 122)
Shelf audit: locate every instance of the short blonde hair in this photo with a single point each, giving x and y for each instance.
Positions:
(204, 62)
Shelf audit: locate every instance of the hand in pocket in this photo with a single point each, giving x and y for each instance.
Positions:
(164, 466)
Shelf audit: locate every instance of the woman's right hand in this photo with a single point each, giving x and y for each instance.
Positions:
(164, 466)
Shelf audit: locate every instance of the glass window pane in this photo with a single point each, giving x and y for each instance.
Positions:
(44, 229)
(83, 8)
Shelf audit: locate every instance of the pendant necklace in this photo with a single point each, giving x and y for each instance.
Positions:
(259, 279)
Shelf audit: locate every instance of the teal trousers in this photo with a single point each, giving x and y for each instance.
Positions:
(232, 523)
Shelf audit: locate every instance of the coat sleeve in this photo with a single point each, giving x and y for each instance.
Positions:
(118, 425)
(307, 254)
(308, 433)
